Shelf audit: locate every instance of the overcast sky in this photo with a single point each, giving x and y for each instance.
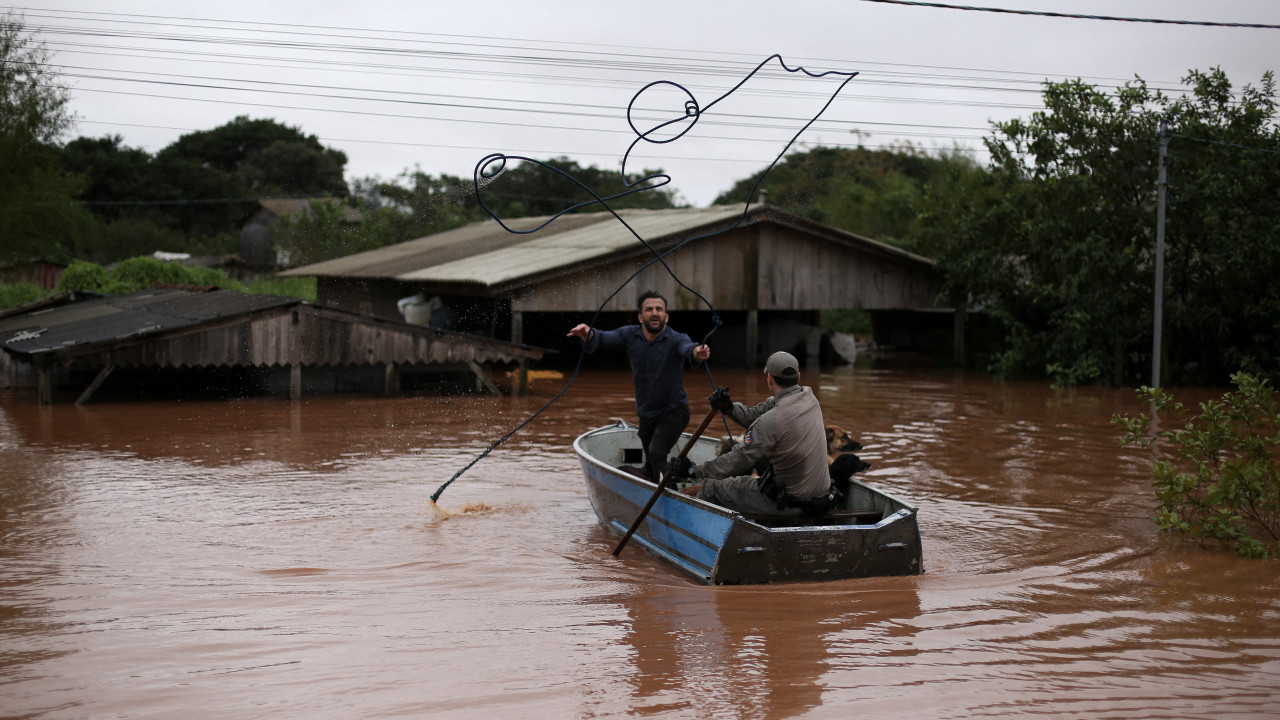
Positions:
(437, 86)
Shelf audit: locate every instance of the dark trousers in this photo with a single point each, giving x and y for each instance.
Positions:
(658, 436)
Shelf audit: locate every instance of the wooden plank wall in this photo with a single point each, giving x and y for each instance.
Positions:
(325, 339)
(761, 267)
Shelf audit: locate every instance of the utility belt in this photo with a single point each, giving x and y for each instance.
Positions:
(777, 492)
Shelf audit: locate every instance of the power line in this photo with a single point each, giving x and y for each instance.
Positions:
(544, 152)
(1225, 144)
(207, 201)
(1076, 16)
(636, 62)
(474, 121)
(611, 114)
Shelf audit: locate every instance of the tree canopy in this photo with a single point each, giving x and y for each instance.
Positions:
(1057, 242)
(204, 182)
(35, 194)
(876, 193)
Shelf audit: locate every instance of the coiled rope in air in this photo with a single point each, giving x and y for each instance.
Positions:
(491, 166)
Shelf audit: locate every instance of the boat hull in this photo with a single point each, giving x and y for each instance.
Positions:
(720, 546)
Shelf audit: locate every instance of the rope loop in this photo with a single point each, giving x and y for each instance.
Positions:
(690, 111)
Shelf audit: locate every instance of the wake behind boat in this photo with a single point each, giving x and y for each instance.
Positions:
(871, 533)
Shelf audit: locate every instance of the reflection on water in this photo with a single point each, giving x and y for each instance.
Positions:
(752, 652)
(259, 558)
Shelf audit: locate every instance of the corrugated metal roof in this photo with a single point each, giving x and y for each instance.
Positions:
(441, 248)
(106, 320)
(486, 254)
(543, 254)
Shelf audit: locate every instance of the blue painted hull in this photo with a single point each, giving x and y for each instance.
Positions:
(875, 534)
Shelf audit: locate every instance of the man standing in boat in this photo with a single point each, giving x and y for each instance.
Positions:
(787, 430)
(658, 356)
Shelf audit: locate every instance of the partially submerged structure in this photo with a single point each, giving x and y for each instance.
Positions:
(766, 272)
(280, 344)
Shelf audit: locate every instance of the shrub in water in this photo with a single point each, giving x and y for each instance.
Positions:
(1222, 483)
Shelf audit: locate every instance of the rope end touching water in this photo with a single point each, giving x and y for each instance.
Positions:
(437, 512)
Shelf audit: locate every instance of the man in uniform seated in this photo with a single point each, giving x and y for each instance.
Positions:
(787, 430)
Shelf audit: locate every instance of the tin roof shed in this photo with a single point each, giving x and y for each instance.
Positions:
(182, 328)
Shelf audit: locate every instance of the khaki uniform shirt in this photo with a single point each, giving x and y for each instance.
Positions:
(788, 430)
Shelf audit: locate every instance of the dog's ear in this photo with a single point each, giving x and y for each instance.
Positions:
(831, 434)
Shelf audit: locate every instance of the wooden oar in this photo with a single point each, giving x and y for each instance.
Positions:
(662, 484)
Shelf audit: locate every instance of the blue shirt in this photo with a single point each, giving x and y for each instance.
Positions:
(657, 367)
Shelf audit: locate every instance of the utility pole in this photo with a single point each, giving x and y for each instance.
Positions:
(1158, 331)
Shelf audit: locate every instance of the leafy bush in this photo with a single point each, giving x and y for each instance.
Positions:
(14, 294)
(299, 287)
(87, 277)
(1223, 483)
(140, 273)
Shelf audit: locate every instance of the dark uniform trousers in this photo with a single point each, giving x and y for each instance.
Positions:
(658, 435)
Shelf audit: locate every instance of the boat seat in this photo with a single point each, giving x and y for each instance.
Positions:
(855, 516)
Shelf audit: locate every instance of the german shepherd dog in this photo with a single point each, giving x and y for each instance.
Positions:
(841, 460)
(838, 441)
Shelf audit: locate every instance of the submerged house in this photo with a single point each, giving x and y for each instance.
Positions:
(234, 343)
(765, 273)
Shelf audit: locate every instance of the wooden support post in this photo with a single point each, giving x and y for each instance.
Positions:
(295, 359)
(753, 338)
(390, 382)
(517, 336)
(812, 349)
(97, 383)
(482, 378)
(44, 384)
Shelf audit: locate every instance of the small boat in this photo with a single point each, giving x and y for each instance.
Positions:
(871, 533)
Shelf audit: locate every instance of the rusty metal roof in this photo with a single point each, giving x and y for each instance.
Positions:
(107, 320)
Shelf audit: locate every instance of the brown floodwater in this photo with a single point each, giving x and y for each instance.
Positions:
(255, 558)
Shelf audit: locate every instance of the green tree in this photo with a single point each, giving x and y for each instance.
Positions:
(268, 158)
(114, 173)
(242, 159)
(1223, 231)
(35, 194)
(1058, 243)
(416, 204)
(876, 193)
(324, 232)
(424, 204)
(526, 189)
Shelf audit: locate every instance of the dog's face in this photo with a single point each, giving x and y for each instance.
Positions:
(838, 441)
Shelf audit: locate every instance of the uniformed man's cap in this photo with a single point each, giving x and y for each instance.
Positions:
(783, 365)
